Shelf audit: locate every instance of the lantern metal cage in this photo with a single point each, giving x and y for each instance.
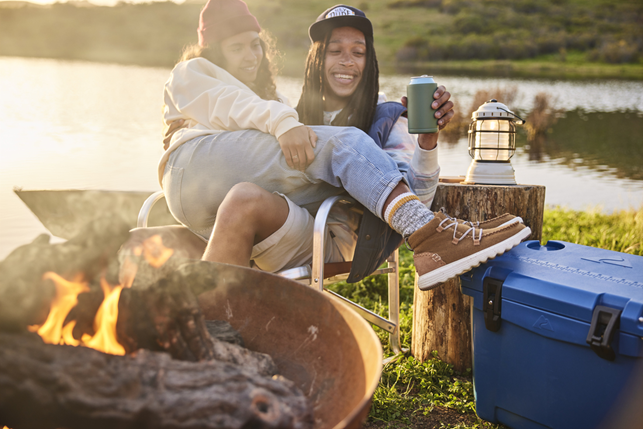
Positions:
(492, 139)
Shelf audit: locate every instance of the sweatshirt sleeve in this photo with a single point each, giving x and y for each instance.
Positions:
(419, 166)
(207, 94)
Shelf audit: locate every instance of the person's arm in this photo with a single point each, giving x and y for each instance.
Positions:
(202, 92)
(209, 95)
(419, 166)
(423, 171)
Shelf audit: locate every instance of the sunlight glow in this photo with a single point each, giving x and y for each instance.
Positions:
(96, 2)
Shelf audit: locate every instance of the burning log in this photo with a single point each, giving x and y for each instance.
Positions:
(25, 296)
(50, 386)
(166, 316)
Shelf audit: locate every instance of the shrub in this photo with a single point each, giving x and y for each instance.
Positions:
(512, 49)
(550, 43)
(618, 52)
(407, 54)
(467, 23)
(398, 4)
(542, 116)
(453, 7)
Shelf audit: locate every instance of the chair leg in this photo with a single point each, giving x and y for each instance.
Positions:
(394, 301)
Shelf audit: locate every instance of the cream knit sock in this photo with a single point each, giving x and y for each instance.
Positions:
(406, 214)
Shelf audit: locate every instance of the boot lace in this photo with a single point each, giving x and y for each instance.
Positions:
(476, 233)
(462, 221)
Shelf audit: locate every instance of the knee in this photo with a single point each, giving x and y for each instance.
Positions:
(243, 201)
(353, 139)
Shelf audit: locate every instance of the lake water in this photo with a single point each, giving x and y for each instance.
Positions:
(82, 125)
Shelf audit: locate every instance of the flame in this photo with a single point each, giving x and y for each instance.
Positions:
(54, 331)
(104, 339)
(66, 298)
(154, 252)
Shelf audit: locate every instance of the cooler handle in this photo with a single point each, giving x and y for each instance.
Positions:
(605, 320)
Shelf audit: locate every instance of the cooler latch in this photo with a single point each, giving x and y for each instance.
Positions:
(605, 321)
(491, 300)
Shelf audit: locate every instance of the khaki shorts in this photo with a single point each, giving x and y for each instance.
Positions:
(291, 245)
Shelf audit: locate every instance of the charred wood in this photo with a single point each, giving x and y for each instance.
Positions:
(166, 316)
(49, 386)
(223, 331)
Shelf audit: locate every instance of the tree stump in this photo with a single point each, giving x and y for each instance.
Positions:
(441, 316)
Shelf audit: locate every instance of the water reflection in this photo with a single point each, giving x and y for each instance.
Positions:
(608, 142)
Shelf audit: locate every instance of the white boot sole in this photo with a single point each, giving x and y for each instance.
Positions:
(440, 275)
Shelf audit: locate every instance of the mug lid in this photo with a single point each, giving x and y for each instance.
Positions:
(421, 79)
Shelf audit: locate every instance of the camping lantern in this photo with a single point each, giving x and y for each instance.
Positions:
(492, 143)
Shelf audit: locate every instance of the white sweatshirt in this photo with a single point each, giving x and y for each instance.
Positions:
(213, 101)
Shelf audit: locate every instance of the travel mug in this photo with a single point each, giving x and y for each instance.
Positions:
(419, 95)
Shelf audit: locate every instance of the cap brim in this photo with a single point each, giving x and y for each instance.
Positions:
(320, 29)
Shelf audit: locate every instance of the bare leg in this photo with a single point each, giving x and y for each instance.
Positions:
(400, 189)
(248, 215)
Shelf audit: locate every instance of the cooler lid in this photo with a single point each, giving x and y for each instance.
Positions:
(568, 279)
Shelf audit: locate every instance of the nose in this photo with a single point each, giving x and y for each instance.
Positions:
(346, 60)
(250, 55)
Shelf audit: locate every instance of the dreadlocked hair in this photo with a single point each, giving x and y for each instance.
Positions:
(359, 111)
(264, 86)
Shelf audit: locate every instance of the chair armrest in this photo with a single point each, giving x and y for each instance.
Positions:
(146, 209)
(321, 218)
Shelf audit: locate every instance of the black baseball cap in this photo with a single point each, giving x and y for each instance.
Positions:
(339, 16)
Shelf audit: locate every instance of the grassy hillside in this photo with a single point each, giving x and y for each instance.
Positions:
(571, 38)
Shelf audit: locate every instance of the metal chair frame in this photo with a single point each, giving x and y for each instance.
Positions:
(313, 275)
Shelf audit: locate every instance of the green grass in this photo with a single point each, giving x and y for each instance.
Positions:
(410, 388)
(546, 66)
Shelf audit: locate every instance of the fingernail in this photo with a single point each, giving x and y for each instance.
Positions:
(440, 122)
(438, 114)
(434, 105)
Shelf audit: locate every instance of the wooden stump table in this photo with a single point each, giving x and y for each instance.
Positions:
(442, 316)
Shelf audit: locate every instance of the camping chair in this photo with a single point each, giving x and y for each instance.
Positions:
(319, 274)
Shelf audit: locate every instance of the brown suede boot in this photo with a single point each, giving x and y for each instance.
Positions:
(502, 220)
(445, 248)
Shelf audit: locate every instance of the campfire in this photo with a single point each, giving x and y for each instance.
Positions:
(91, 336)
(57, 329)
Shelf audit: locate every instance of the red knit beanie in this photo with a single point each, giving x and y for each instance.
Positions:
(221, 19)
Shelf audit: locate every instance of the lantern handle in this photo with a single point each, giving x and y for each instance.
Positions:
(512, 113)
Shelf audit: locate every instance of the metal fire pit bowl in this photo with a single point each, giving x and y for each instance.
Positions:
(328, 350)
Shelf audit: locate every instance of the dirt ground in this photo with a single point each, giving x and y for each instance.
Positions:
(434, 420)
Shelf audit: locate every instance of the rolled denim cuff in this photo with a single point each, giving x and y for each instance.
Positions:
(383, 189)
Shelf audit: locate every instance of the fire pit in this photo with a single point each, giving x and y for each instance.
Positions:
(327, 349)
(324, 348)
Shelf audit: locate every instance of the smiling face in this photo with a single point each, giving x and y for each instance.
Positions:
(344, 64)
(243, 54)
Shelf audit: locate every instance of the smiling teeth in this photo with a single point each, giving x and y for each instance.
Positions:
(344, 76)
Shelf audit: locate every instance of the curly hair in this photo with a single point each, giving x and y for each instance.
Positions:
(264, 86)
(359, 111)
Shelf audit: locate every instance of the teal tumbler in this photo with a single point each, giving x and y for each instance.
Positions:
(421, 116)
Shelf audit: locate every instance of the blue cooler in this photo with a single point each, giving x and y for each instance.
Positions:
(556, 334)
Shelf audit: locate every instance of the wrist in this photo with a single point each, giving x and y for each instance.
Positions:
(428, 141)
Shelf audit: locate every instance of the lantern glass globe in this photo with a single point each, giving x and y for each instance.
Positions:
(493, 140)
